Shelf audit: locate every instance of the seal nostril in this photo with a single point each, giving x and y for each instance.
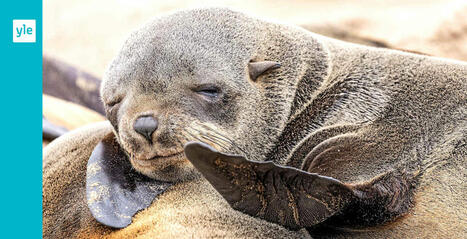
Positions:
(145, 126)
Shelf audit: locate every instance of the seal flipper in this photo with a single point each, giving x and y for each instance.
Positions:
(288, 196)
(114, 191)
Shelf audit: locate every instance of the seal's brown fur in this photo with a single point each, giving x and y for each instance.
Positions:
(390, 122)
(190, 209)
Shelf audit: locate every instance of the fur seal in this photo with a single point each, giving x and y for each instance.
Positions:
(353, 134)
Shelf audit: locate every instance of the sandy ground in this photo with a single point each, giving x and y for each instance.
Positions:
(88, 33)
(70, 115)
(66, 114)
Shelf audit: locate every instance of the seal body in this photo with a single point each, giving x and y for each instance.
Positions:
(384, 125)
(368, 117)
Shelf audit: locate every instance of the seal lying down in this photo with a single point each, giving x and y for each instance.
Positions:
(288, 126)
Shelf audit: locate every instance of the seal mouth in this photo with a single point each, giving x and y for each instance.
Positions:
(149, 162)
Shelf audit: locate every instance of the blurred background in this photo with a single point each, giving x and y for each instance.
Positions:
(81, 37)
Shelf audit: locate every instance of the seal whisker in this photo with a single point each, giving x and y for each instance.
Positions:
(224, 148)
(212, 139)
(227, 140)
(195, 137)
(218, 136)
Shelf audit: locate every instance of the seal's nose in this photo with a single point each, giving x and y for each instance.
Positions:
(145, 126)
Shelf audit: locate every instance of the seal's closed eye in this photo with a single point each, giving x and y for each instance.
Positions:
(208, 90)
(114, 191)
(284, 195)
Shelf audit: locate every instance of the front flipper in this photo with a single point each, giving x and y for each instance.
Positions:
(290, 197)
(114, 191)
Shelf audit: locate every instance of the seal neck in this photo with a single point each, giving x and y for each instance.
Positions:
(303, 116)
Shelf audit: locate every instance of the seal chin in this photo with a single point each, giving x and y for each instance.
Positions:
(151, 162)
(170, 168)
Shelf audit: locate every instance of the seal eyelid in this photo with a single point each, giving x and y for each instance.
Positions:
(114, 102)
(208, 90)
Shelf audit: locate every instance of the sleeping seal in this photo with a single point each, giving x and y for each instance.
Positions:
(288, 126)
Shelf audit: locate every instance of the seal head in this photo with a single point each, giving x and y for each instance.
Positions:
(192, 76)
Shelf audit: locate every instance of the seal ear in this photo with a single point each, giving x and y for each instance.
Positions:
(290, 197)
(256, 69)
(114, 191)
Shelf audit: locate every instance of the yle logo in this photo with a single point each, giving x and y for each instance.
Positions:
(24, 30)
